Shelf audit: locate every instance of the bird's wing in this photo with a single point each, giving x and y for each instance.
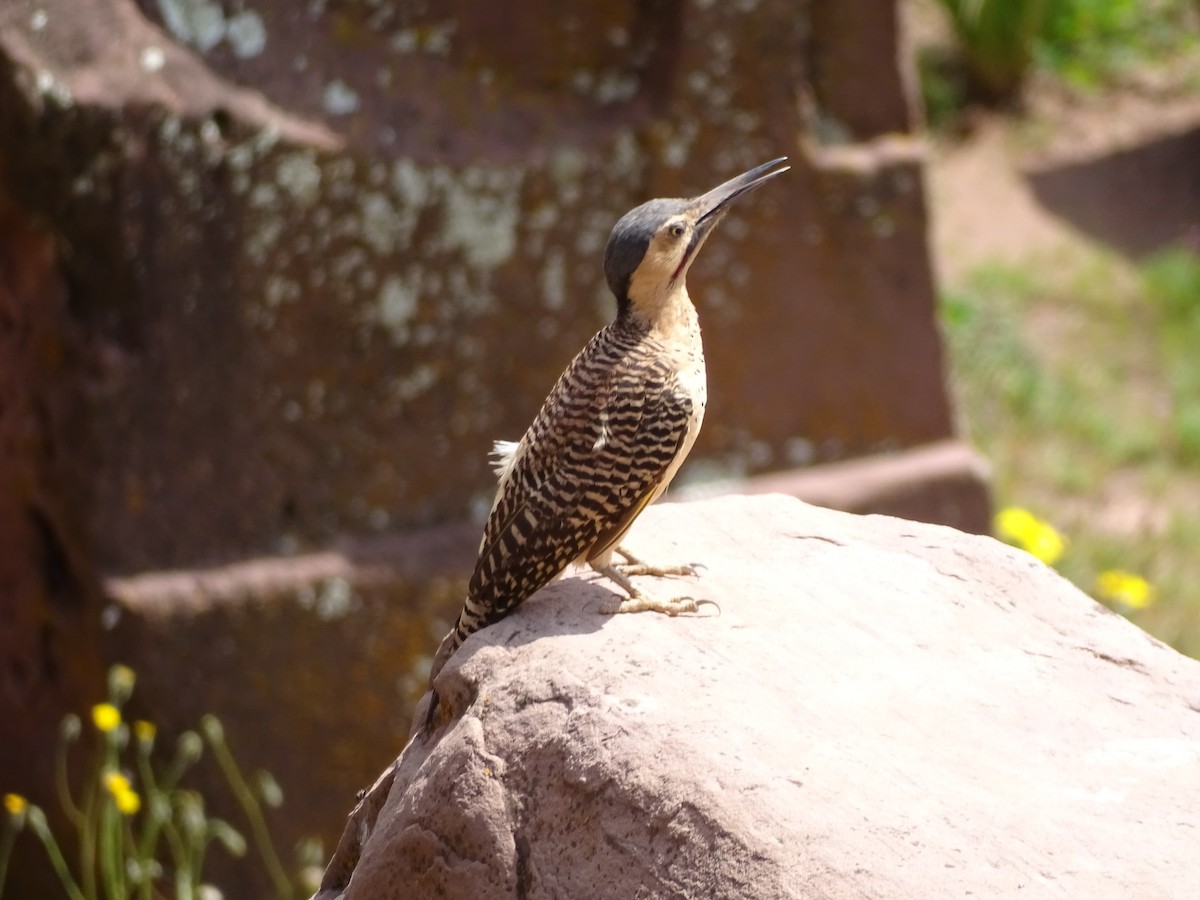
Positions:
(535, 528)
(589, 464)
(661, 435)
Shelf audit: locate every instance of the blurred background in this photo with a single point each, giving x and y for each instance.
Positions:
(273, 277)
(1066, 227)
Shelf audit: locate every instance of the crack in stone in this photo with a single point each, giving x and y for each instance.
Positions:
(1122, 661)
(817, 537)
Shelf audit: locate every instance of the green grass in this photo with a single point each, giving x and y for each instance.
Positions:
(1078, 377)
(1172, 282)
(1088, 45)
(1094, 43)
(997, 39)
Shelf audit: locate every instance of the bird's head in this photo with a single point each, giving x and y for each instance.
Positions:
(652, 246)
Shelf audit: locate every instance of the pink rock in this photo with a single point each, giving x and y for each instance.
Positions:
(880, 709)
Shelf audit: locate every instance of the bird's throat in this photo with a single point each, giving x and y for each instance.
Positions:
(676, 316)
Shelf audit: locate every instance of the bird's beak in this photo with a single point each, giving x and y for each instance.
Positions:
(713, 205)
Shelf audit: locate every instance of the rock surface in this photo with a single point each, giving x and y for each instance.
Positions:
(881, 709)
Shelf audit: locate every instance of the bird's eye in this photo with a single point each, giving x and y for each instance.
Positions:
(677, 230)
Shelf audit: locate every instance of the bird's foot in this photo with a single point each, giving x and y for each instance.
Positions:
(639, 602)
(643, 603)
(661, 571)
(635, 566)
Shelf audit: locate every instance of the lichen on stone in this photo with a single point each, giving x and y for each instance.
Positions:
(198, 23)
(300, 176)
(246, 34)
(339, 98)
(397, 304)
(480, 212)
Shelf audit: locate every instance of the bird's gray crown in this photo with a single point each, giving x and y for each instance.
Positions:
(628, 242)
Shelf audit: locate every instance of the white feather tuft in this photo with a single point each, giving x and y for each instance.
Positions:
(503, 454)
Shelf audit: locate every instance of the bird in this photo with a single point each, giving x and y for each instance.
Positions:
(614, 429)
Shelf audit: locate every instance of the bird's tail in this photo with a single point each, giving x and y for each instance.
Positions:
(445, 650)
(468, 622)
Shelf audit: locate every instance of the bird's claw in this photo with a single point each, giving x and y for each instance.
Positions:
(635, 565)
(639, 568)
(676, 606)
(691, 605)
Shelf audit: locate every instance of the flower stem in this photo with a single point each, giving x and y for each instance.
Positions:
(37, 821)
(87, 832)
(7, 840)
(63, 785)
(245, 797)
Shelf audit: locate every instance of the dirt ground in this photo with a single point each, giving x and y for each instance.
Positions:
(994, 198)
(982, 208)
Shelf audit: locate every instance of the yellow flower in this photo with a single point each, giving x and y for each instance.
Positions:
(128, 802)
(1047, 544)
(126, 798)
(15, 804)
(1125, 588)
(145, 731)
(106, 716)
(1025, 530)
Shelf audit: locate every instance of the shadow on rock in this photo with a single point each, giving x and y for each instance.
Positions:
(1138, 200)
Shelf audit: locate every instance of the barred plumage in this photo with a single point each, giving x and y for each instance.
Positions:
(615, 428)
(596, 454)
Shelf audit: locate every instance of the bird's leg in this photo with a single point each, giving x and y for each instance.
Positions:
(633, 565)
(640, 602)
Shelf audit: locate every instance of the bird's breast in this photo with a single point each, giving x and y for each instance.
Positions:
(683, 353)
